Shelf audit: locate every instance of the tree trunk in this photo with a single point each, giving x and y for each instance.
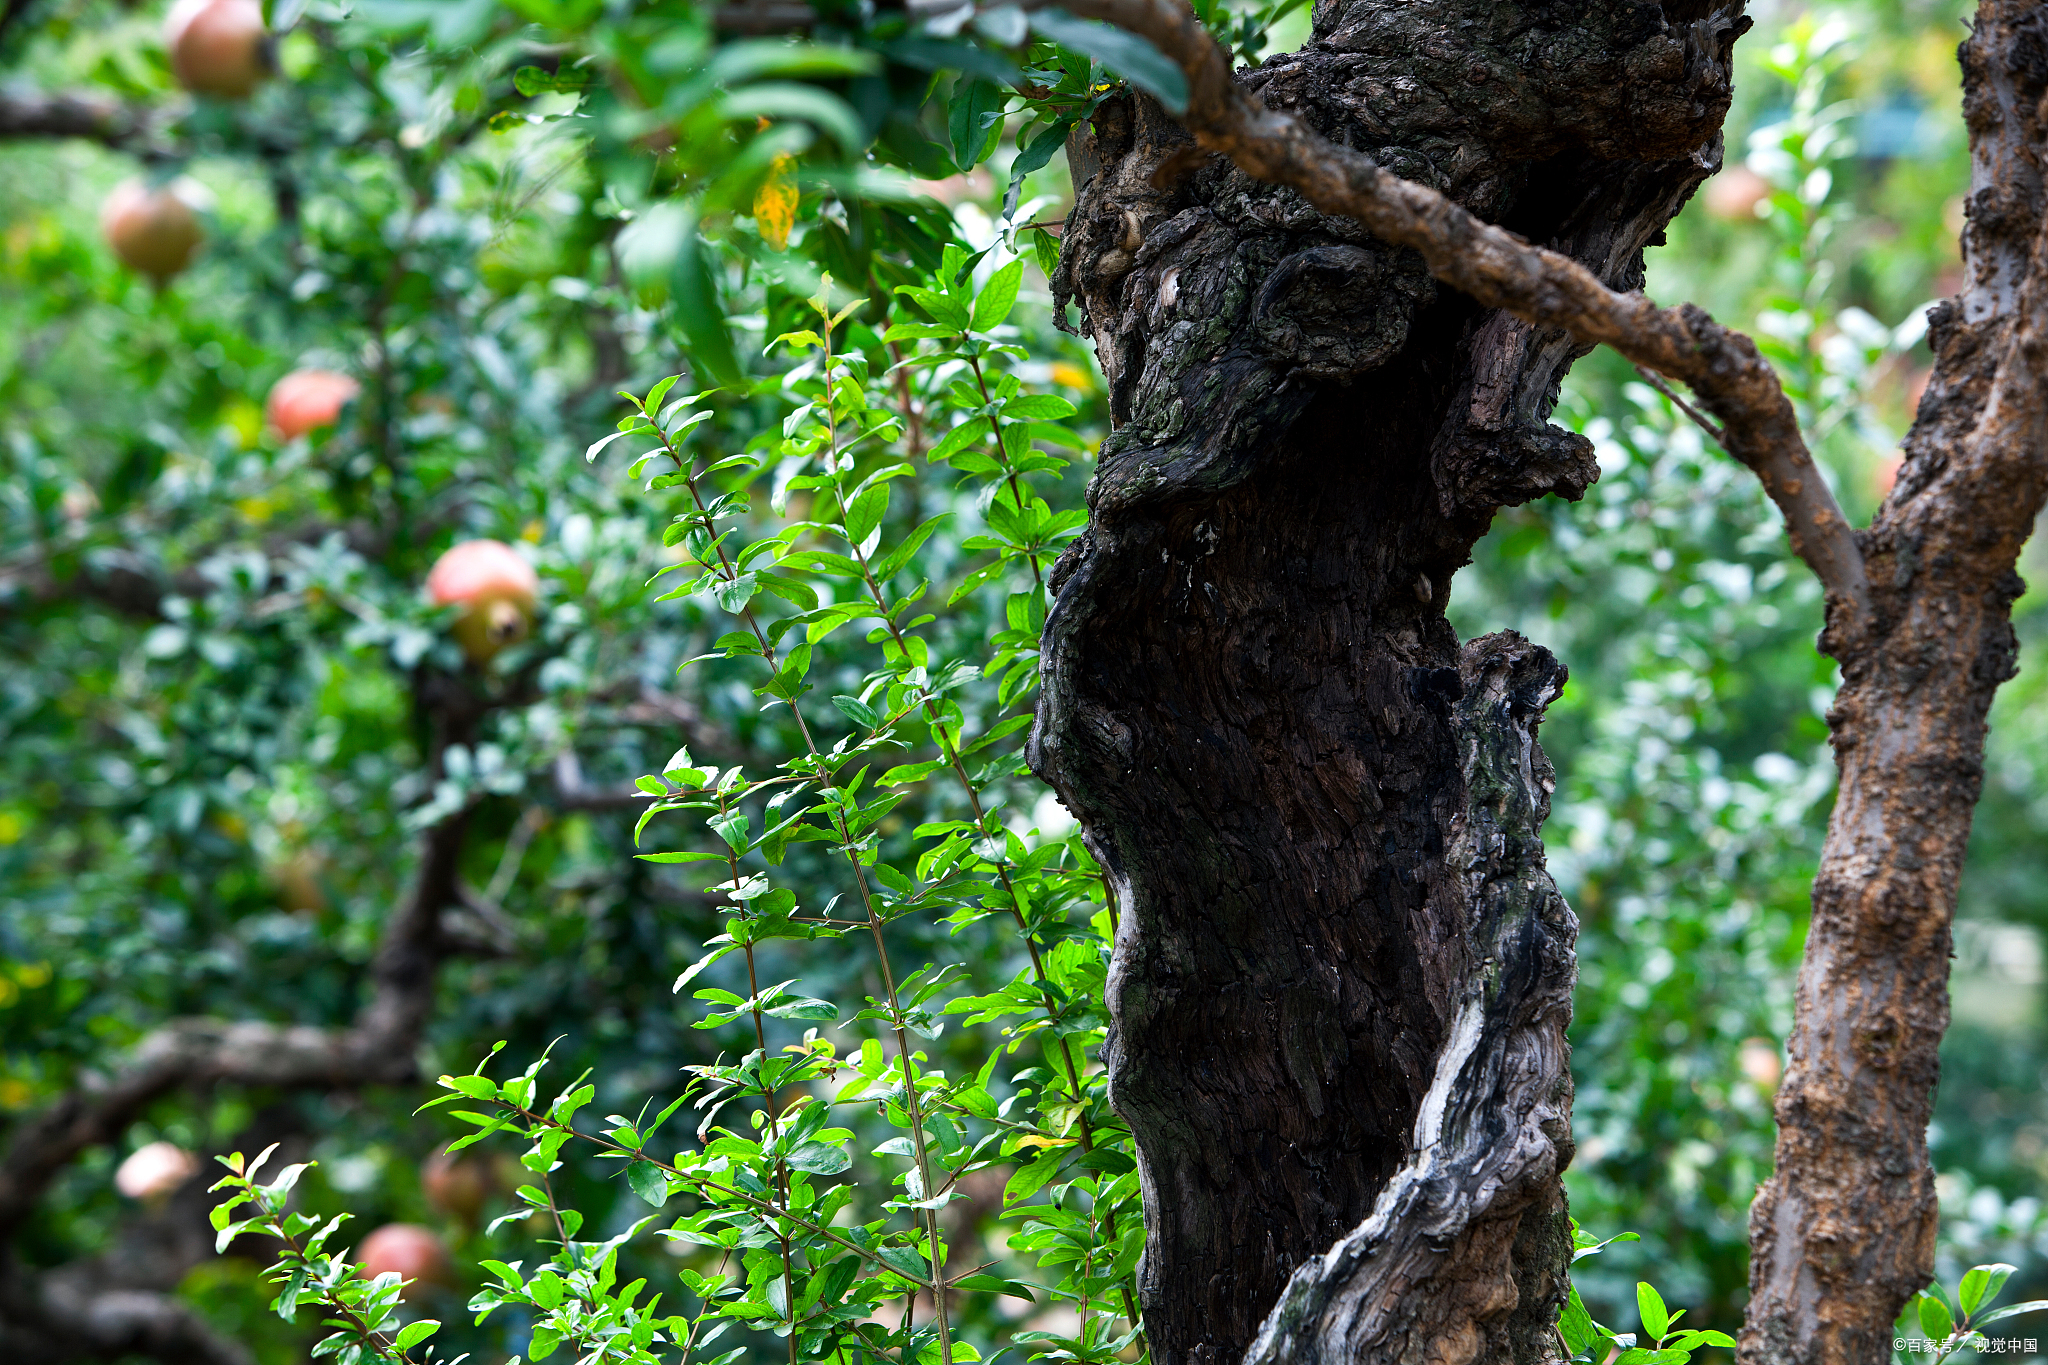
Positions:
(1843, 1233)
(1343, 977)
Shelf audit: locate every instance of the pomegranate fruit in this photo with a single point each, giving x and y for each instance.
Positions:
(1733, 195)
(495, 589)
(418, 1255)
(218, 47)
(154, 229)
(1761, 1063)
(154, 1169)
(455, 1185)
(306, 399)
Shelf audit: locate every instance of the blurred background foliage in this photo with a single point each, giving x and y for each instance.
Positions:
(212, 759)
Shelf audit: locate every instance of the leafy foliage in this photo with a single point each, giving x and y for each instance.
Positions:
(875, 1074)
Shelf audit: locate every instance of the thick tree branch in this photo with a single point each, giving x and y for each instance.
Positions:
(95, 117)
(1843, 1232)
(69, 1320)
(1422, 1278)
(1501, 270)
(378, 1048)
(93, 568)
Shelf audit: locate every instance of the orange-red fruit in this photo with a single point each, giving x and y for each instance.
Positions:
(1734, 194)
(455, 1185)
(1761, 1063)
(494, 587)
(305, 399)
(218, 47)
(154, 1169)
(416, 1253)
(154, 230)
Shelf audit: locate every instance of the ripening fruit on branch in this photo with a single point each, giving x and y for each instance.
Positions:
(154, 229)
(456, 1185)
(416, 1253)
(218, 47)
(1734, 194)
(496, 590)
(1761, 1063)
(154, 1169)
(306, 399)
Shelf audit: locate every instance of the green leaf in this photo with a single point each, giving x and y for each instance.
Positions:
(546, 1289)
(1039, 406)
(866, 511)
(804, 1009)
(1934, 1318)
(700, 309)
(1046, 248)
(1128, 55)
(1575, 1324)
(857, 711)
(1032, 157)
(649, 1181)
(2013, 1311)
(893, 562)
(1656, 1318)
(993, 1284)
(911, 772)
(944, 308)
(975, 121)
(776, 100)
(1028, 1180)
(906, 1262)
(475, 1087)
(1980, 1285)
(963, 437)
(413, 1333)
(820, 1158)
(998, 297)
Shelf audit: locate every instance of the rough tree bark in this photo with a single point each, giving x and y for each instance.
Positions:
(1918, 614)
(1843, 1233)
(1343, 976)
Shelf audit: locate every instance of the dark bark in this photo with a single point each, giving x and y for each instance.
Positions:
(1843, 1232)
(1318, 812)
(86, 114)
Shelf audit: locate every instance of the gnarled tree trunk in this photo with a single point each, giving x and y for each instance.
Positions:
(1843, 1233)
(1343, 977)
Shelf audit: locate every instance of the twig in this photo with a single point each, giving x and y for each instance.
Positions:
(1700, 419)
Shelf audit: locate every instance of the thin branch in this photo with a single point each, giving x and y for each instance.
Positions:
(1501, 270)
(573, 793)
(1700, 419)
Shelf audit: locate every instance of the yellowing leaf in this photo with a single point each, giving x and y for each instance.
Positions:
(1040, 1140)
(775, 205)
